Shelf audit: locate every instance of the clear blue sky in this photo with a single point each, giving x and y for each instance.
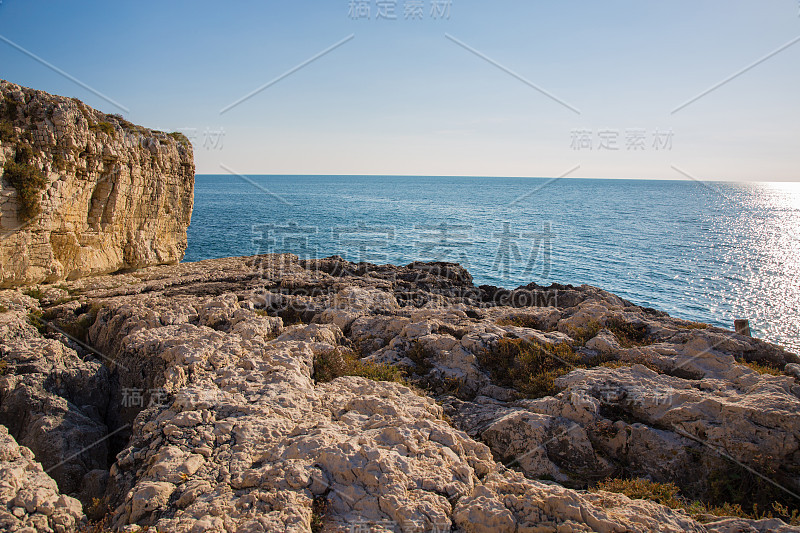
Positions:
(402, 98)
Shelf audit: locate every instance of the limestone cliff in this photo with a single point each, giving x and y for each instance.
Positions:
(84, 193)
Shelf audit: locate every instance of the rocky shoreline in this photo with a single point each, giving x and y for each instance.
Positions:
(204, 397)
(266, 393)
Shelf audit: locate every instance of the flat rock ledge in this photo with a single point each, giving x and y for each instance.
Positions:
(185, 398)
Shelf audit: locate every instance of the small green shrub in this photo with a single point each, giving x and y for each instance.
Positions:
(668, 494)
(98, 510)
(127, 125)
(761, 368)
(529, 367)
(105, 127)
(3, 367)
(28, 181)
(583, 335)
(331, 364)
(643, 489)
(9, 108)
(319, 509)
(627, 334)
(7, 133)
(59, 162)
(36, 319)
(34, 292)
(737, 484)
(3, 308)
(180, 137)
(421, 356)
(520, 321)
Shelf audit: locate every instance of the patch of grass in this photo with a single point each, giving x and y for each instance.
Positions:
(34, 292)
(528, 367)
(520, 321)
(69, 290)
(261, 312)
(3, 367)
(583, 335)
(643, 489)
(123, 122)
(180, 137)
(761, 368)
(28, 181)
(3, 308)
(627, 333)
(105, 127)
(668, 494)
(338, 362)
(36, 319)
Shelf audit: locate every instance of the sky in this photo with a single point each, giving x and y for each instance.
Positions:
(460, 87)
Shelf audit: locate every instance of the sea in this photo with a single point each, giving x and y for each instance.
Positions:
(704, 251)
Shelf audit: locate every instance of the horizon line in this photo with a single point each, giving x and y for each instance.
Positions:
(718, 180)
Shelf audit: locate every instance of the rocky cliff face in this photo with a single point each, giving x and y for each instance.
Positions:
(205, 397)
(83, 192)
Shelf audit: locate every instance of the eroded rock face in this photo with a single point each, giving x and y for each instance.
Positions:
(29, 498)
(115, 195)
(215, 420)
(54, 402)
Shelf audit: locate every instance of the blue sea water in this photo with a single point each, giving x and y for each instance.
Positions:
(702, 251)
